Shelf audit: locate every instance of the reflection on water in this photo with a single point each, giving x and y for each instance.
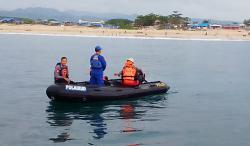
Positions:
(98, 114)
(128, 112)
(98, 124)
(61, 137)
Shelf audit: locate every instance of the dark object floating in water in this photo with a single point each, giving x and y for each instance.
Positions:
(130, 130)
(83, 92)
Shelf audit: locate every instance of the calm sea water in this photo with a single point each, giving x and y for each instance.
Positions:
(208, 104)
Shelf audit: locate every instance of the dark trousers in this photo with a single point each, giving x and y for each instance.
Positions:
(96, 78)
(62, 81)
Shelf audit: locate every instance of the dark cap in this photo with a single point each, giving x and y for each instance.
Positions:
(98, 48)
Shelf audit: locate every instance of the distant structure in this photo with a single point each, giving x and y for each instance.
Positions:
(7, 20)
(231, 27)
(11, 20)
(215, 26)
(157, 24)
(209, 25)
(68, 23)
(196, 25)
(54, 23)
(91, 23)
(50, 22)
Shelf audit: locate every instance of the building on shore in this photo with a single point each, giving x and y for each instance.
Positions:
(157, 24)
(242, 26)
(206, 24)
(91, 23)
(7, 20)
(215, 26)
(40, 21)
(199, 26)
(231, 27)
(69, 23)
(54, 23)
(11, 20)
(110, 26)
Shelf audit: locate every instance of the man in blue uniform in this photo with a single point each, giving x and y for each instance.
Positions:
(98, 65)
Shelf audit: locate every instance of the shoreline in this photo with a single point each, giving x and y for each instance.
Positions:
(149, 34)
(127, 37)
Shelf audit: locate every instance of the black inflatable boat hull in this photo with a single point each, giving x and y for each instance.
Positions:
(88, 93)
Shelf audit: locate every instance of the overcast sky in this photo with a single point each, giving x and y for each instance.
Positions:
(236, 10)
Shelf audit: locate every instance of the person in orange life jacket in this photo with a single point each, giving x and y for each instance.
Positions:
(98, 66)
(61, 73)
(131, 75)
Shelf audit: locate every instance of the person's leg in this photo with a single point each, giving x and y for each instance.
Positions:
(72, 82)
(130, 83)
(61, 81)
(92, 79)
(141, 78)
(95, 80)
(99, 79)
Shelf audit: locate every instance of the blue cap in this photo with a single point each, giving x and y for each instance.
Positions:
(98, 48)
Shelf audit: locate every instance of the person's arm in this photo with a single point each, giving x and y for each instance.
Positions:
(139, 71)
(90, 59)
(68, 72)
(57, 73)
(120, 73)
(103, 62)
(67, 79)
(140, 75)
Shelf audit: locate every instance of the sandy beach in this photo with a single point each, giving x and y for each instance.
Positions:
(146, 33)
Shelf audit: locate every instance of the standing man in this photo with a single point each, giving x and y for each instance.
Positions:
(61, 73)
(98, 65)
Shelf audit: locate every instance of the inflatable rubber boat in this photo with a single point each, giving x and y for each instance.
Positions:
(83, 92)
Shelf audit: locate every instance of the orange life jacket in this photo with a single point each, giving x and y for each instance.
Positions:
(129, 71)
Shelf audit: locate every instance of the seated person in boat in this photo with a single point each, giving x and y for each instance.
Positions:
(131, 75)
(61, 73)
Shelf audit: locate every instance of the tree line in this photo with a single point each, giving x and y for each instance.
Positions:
(173, 21)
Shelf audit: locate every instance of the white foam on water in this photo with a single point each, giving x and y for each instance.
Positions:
(125, 37)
